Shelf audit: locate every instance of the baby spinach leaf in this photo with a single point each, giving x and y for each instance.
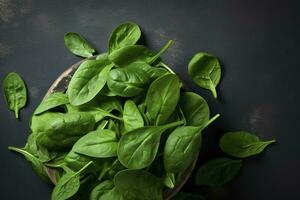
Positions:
(187, 196)
(169, 180)
(57, 131)
(218, 171)
(68, 185)
(242, 144)
(76, 161)
(124, 35)
(88, 80)
(101, 189)
(138, 148)
(205, 70)
(181, 148)
(36, 164)
(15, 92)
(139, 185)
(53, 100)
(78, 45)
(194, 108)
(98, 144)
(132, 116)
(129, 54)
(128, 81)
(162, 98)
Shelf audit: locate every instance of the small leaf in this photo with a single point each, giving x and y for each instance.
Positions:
(218, 171)
(78, 45)
(15, 92)
(53, 100)
(97, 144)
(88, 80)
(205, 70)
(132, 116)
(242, 144)
(124, 35)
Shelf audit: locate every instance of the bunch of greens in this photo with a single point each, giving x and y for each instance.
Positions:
(125, 129)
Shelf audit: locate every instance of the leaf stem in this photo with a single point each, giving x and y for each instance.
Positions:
(212, 120)
(163, 49)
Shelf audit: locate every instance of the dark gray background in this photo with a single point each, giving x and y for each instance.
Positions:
(256, 41)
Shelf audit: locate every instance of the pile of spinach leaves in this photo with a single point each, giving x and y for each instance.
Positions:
(125, 129)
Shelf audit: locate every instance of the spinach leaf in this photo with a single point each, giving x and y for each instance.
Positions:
(205, 70)
(218, 171)
(58, 131)
(102, 124)
(36, 164)
(182, 147)
(132, 116)
(194, 108)
(124, 35)
(102, 56)
(187, 196)
(78, 45)
(139, 185)
(88, 80)
(101, 189)
(15, 92)
(76, 161)
(169, 180)
(242, 144)
(53, 100)
(128, 81)
(129, 54)
(68, 185)
(162, 98)
(97, 144)
(138, 148)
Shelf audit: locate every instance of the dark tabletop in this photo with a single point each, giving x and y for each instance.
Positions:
(256, 41)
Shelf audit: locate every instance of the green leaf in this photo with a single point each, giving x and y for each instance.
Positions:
(194, 108)
(97, 144)
(137, 149)
(101, 189)
(124, 35)
(187, 196)
(68, 185)
(88, 80)
(139, 185)
(53, 100)
(169, 180)
(132, 116)
(129, 54)
(242, 144)
(205, 70)
(128, 81)
(181, 148)
(58, 131)
(162, 98)
(36, 164)
(78, 45)
(218, 171)
(15, 92)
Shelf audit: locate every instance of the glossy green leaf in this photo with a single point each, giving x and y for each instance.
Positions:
(128, 81)
(129, 54)
(139, 185)
(78, 45)
(124, 35)
(58, 131)
(162, 98)
(14, 92)
(205, 70)
(242, 144)
(88, 80)
(53, 100)
(218, 171)
(68, 185)
(98, 144)
(194, 108)
(132, 116)
(138, 148)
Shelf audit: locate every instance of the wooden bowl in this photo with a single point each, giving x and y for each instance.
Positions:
(61, 84)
